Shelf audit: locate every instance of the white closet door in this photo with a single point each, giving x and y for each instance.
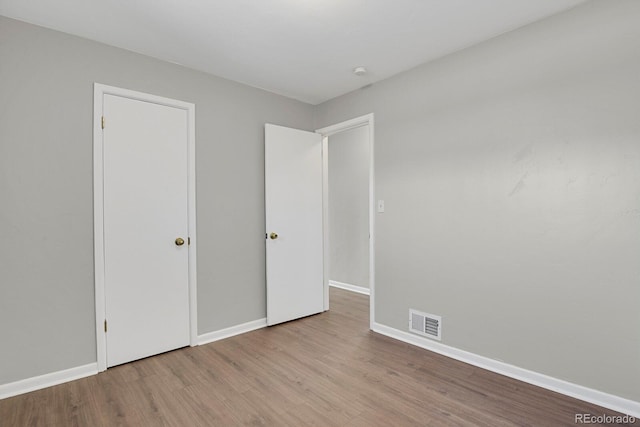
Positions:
(145, 215)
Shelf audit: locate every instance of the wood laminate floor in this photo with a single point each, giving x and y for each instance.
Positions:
(324, 370)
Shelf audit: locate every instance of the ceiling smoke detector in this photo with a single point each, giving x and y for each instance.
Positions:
(359, 71)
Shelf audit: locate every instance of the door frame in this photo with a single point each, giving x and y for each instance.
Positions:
(99, 90)
(326, 132)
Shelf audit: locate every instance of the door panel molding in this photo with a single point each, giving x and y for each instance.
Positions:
(100, 90)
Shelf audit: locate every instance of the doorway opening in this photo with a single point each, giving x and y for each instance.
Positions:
(349, 208)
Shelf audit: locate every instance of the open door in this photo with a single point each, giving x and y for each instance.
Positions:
(294, 239)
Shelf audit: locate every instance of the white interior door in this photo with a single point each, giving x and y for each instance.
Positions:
(145, 151)
(293, 203)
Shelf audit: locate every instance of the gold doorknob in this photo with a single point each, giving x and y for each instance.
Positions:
(179, 241)
(273, 236)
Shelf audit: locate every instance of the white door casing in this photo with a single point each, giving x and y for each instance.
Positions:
(144, 200)
(293, 210)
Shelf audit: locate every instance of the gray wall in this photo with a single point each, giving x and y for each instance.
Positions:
(511, 176)
(46, 216)
(349, 207)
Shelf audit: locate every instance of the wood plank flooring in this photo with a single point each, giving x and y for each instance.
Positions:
(324, 370)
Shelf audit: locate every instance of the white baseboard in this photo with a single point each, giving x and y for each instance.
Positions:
(47, 380)
(348, 287)
(596, 397)
(232, 331)
(55, 378)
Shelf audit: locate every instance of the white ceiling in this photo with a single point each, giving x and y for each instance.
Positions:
(304, 49)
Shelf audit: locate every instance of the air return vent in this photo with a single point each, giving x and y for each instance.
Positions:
(428, 325)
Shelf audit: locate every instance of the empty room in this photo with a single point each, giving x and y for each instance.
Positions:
(320, 212)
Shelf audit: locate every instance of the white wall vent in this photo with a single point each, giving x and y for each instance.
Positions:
(428, 325)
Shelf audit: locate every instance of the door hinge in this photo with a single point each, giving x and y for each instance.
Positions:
(102, 122)
(105, 325)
